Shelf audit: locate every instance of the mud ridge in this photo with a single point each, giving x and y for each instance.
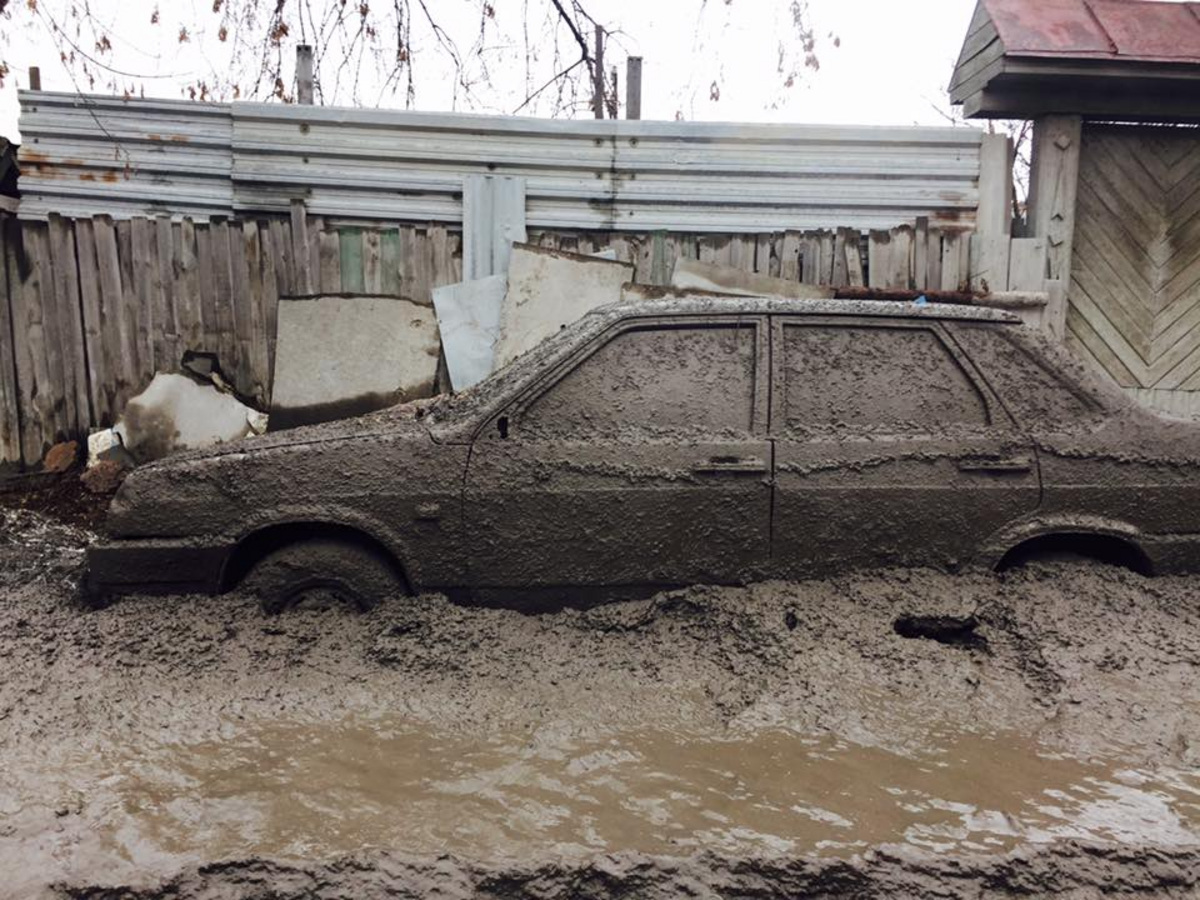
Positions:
(1073, 870)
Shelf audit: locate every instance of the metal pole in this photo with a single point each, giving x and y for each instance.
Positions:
(633, 87)
(35, 78)
(304, 74)
(598, 75)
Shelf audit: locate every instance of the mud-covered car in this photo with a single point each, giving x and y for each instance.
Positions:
(680, 441)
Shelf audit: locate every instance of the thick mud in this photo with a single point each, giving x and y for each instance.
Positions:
(901, 733)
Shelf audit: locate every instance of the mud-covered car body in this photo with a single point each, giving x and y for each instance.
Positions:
(696, 440)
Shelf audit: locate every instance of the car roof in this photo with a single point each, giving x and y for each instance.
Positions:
(664, 302)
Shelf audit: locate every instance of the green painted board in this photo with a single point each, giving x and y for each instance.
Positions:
(351, 246)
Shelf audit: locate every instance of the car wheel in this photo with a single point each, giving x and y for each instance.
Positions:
(321, 573)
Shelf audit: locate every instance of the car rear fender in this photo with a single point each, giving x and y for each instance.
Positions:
(1013, 536)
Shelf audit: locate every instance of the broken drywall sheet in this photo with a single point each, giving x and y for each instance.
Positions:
(176, 413)
(691, 273)
(340, 355)
(468, 315)
(548, 289)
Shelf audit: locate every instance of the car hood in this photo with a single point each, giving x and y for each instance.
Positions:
(395, 420)
(219, 489)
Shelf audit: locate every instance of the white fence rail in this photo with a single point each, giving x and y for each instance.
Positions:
(89, 155)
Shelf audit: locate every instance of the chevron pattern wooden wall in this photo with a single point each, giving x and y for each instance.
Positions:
(1135, 269)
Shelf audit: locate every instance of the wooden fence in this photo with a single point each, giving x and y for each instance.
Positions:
(92, 308)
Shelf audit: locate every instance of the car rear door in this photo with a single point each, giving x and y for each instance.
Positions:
(643, 461)
(890, 449)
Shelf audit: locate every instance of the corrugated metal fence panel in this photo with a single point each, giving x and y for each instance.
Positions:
(90, 155)
(403, 166)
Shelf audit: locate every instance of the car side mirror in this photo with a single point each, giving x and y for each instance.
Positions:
(502, 427)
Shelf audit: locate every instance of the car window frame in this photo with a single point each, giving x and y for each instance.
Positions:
(515, 406)
(998, 416)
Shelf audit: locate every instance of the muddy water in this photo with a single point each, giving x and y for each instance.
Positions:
(321, 791)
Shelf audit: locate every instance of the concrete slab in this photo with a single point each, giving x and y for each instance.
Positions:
(691, 273)
(176, 413)
(341, 355)
(548, 289)
(468, 316)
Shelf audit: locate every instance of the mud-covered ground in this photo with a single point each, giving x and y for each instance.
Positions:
(196, 748)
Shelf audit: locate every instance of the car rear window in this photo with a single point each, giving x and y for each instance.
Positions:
(663, 380)
(864, 380)
(1030, 387)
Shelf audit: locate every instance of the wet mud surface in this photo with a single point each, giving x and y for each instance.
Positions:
(900, 733)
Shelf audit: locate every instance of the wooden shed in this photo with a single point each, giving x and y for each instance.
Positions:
(1113, 87)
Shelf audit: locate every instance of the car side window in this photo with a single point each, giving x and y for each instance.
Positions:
(654, 381)
(873, 380)
(1030, 387)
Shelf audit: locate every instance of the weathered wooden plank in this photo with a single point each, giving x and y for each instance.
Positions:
(145, 276)
(389, 262)
(243, 303)
(187, 287)
(301, 256)
(989, 262)
(206, 289)
(441, 247)
(41, 394)
(741, 252)
(350, 248)
(223, 296)
(268, 305)
(954, 276)
(91, 309)
(71, 352)
(995, 214)
(167, 331)
(372, 261)
(933, 265)
(879, 258)
(118, 336)
(921, 254)
(854, 265)
(826, 241)
(789, 257)
(418, 269)
(19, 261)
(1027, 264)
(900, 259)
(810, 259)
(10, 415)
(316, 227)
(331, 262)
(260, 272)
(281, 257)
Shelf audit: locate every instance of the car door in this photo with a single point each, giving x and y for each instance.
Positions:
(889, 447)
(642, 461)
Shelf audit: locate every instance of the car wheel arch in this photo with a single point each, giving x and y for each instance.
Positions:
(254, 545)
(1116, 546)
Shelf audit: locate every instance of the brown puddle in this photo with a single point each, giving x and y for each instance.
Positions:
(320, 791)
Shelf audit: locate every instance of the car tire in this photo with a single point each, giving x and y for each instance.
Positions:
(320, 573)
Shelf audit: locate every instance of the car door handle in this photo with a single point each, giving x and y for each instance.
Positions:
(730, 465)
(1008, 464)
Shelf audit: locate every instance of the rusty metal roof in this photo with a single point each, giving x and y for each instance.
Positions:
(1134, 30)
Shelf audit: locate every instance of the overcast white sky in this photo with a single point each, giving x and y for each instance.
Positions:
(891, 68)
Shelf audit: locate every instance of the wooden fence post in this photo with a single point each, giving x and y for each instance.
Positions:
(304, 74)
(1053, 186)
(633, 87)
